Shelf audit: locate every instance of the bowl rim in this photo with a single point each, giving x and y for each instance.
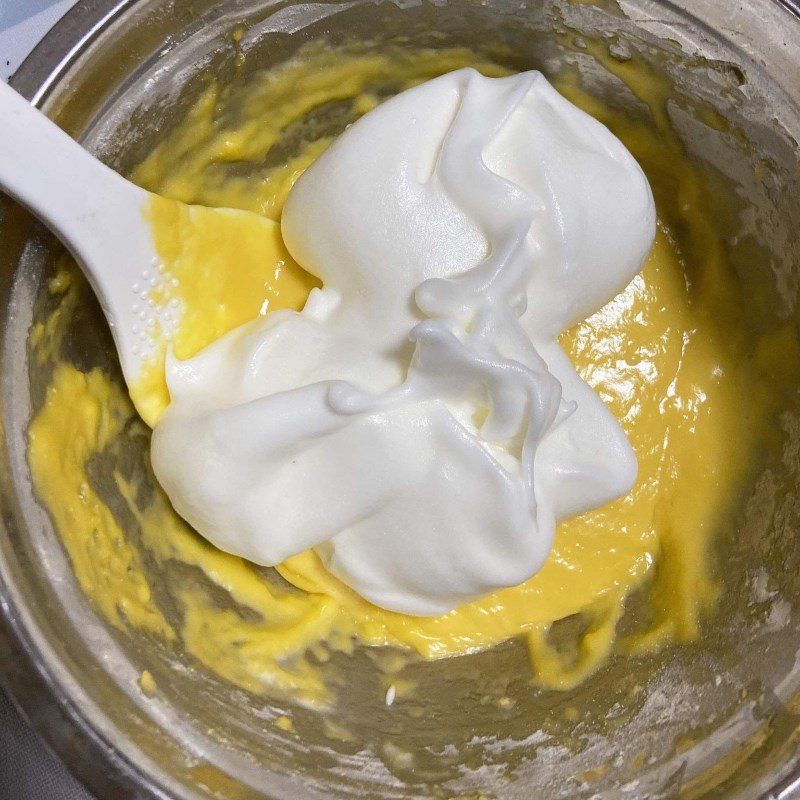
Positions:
(60, 724)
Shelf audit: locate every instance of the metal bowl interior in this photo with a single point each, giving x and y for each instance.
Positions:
(713, 719)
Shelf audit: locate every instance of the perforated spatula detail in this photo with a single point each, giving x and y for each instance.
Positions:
(102, 219)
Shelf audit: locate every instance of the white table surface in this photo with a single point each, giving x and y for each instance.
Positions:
(22, 24)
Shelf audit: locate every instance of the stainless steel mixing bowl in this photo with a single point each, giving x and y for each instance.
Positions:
(715, 719)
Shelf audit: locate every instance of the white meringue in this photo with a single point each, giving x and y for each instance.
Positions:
(417, 423)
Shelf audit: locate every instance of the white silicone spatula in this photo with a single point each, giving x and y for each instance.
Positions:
(99, 216)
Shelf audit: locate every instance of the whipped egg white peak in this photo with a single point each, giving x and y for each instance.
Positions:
(417, 422)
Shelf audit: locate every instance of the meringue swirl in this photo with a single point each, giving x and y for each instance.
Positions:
(417, 423)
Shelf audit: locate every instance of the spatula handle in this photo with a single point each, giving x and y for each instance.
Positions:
(95, 212)
(45, 170)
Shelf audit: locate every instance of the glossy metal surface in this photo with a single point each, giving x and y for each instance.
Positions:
(115, 73)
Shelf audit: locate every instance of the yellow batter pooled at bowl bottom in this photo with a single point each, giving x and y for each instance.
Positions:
(694, 390)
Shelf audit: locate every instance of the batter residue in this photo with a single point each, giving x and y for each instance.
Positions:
(668, 356)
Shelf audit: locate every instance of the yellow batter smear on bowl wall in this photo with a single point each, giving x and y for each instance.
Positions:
(669, 356)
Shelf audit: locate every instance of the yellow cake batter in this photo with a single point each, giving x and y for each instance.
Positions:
(669, 356)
